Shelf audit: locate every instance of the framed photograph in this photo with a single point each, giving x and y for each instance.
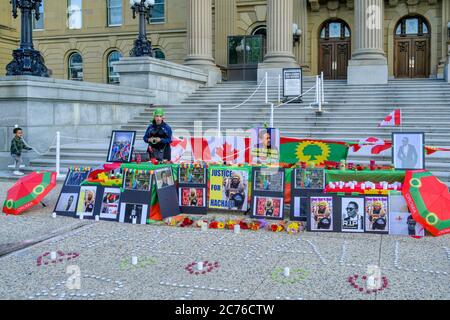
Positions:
(268, 207)
(228, 189)
(408, 150)
(75, 178)
(121, 146)
(321, 214)
(191, 175)
(67, 203)
(265, 145)
(300, 208)
(133, 211)
(401, 221)
(137, 181)
(377, 215)
(164, 178)
(110, 204)
(268, 179)
(313, 178)
(352, 214)
(192, 197)
(86, 201)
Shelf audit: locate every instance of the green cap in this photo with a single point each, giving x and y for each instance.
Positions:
(158, 112)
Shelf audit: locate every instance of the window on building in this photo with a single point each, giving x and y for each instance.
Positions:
(335, 29)
(412, 26)
(75, 67)
(158, 12)
(113, 77)
(114, 12)
(159, 54)
(75, 14)
(39, 24)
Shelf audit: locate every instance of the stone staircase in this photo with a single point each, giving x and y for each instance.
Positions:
(351, 113)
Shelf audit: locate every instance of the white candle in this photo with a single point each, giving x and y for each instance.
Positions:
(237, 229)
(287, 272)
(54, 215)
(134, 220)
(81, 216)
(352, 186)
(363, 186)
(97, 218)
(53, 255)
(134, 260)
(204, 226)
(200, 266)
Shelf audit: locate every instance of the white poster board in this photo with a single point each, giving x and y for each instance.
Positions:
(292, 82)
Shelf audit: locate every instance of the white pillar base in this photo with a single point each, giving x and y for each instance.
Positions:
(273, 70)
(363, 72)
(447, 72)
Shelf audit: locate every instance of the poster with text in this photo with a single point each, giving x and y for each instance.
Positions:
(228, 189)
(352, 211)
(377, 214)
(321, 214)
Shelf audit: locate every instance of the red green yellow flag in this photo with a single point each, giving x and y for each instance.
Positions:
(295, 150)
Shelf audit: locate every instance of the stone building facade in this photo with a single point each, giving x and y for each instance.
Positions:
(347, 39)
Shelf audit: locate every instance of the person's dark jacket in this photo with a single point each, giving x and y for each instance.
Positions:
(162, 131)
(17, 146)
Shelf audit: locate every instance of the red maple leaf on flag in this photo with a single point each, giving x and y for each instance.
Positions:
(227, 152)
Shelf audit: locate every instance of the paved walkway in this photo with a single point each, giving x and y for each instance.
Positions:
(245, 266)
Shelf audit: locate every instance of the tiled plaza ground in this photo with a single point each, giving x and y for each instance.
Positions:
(250, 264)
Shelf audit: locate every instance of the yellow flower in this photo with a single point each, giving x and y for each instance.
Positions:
(220, 225)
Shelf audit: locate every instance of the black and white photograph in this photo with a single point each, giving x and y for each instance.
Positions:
(408, 150)
(164, 178)
(121, 146)
(300, 212)
(352, 214)
(67, 202)
(133, 211)
(75, 178)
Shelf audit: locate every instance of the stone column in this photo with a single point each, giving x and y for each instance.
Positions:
(301, 19)
(199, 31)
(368, 57)
(445, 61)
(279, 39)
(225, 22)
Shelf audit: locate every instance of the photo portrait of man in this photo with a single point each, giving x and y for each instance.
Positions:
(407, 154)
(352, 218)
(408, 150)
(235, 191)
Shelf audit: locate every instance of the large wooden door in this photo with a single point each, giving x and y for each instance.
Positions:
(412, 58)
(412, 48)
(334, 49)
(333, 59)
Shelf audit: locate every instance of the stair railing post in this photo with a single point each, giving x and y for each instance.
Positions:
(279, 88)
(319, 93)
(267, 98)
(219, 120)
(58, 154)
(322, 87)
(271, 114)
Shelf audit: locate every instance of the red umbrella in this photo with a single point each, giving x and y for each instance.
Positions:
(428, 200)
(29, 191)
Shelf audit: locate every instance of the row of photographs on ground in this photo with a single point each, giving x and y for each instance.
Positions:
(228, 190)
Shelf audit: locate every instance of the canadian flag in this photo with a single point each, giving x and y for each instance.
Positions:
(394, 119)
(232, 150)
(378, 145)
(178, 146)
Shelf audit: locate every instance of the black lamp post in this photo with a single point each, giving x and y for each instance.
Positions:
(142, 46)
(26, 60)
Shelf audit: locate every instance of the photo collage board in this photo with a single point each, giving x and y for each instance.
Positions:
(167, 192)
(268, 193)
(89, 201)
(304, 182)
(192, 189)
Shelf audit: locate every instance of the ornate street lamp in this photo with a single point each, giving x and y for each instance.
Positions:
(142, 46)
(26, 60)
